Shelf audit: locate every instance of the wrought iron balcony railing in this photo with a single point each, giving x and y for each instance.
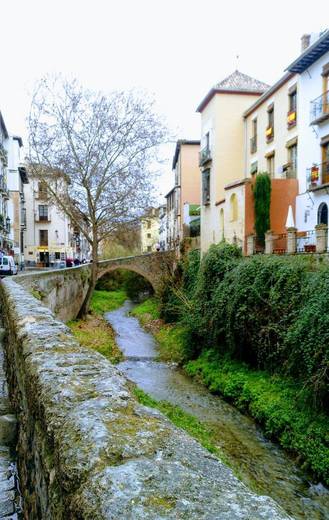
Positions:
(204, 156)
(319, 109)
(253, 144)
(3, 187)
(318, 175)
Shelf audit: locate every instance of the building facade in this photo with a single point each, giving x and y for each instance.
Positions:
(6, 244)
(222, 158)
(50, 238)
(312, 67)
(163, 227)
(149, 231)
(12, 210)
(186, 190)
(271, 146)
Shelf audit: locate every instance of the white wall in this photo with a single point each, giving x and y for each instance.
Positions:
(309, 150)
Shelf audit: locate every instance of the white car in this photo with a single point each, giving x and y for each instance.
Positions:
(7, 266)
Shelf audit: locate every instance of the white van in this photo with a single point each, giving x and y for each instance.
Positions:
(7, 266)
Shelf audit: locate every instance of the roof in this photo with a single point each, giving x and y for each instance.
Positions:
(286, 77)
(311, 54)
(178, 147)
(235, 83)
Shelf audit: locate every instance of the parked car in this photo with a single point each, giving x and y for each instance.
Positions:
(7, 266)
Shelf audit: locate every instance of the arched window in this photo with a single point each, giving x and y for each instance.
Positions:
(233, 207)
(221, 224)
(323, 214)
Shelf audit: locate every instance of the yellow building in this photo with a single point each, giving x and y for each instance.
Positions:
(150, 231)
(222, 157)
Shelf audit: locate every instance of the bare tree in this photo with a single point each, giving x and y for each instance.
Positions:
(95, 154)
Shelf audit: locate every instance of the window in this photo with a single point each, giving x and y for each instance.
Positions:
(292, 160)
(149, 249)
(206, 186)
(221, 223)
(233, 207)
(253, 140)
(148, 224)
(43, 213)
(43, 237)
(42, 190)
(292, 107)
(325, 160)
(323, 214)
(270, 123)
(254, 168)
(57, 255)
(148, 235)
(270, 165)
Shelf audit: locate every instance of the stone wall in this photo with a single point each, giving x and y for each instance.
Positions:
(88, 450)
(61, 290)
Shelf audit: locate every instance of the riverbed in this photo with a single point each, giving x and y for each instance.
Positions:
(259, 463)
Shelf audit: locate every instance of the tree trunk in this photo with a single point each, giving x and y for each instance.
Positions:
(92, 283)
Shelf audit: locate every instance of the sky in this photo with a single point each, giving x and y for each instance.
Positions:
(176, 50)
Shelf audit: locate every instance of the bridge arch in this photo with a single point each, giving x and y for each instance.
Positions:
(131, 268)
(152, 266)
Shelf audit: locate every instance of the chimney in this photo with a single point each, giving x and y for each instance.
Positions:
(305, 41)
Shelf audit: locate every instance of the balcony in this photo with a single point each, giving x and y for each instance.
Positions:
(204, 156)
(319, 109)
(289, 171)
(318, 176)
(42, 218)
(253, 144)
(291, 118)
(3, 188)
(269, 133)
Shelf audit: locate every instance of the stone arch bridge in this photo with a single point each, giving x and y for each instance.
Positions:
(152, 266)
(63, 290)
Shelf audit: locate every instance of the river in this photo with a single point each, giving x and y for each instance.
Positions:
(259, 463)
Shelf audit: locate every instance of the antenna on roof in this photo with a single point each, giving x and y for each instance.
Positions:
(237, 57)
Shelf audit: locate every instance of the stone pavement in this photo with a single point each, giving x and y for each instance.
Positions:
(9, 506)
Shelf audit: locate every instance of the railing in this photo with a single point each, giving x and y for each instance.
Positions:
(253, 144)
(41, 194)
(318, 175)
(306, 241)
(319, 108)
(291, 118)
(41, 218)
(4, 187)
(279, 244)
(269, 133)
(204, 155)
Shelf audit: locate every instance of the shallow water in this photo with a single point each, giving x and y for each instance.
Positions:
(259, 463)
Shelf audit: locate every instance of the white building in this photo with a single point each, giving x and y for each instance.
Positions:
(313, 139)
(163, 227)
(16, 179)
(12, 178)
(50, 238)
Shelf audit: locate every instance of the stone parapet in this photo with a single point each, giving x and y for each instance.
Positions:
(88, 450)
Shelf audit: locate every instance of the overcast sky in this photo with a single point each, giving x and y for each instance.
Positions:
(175, 49)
